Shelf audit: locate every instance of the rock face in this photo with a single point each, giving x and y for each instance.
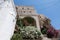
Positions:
(7, 19)
(50, 33)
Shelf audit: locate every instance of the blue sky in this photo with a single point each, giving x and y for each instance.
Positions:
(50, 8)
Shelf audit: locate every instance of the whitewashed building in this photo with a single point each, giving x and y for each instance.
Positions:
(7, 19)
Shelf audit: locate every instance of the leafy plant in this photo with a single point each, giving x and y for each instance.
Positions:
(30, 32)
(17, 37)
(26, 31)
(44, 30)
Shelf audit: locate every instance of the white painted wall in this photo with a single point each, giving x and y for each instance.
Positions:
(7, 20)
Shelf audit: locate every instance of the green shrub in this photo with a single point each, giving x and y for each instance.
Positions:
(29, 31)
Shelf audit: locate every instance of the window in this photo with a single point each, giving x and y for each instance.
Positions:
(24, 11)
(16, 8)
(22, 8)
(30, 11)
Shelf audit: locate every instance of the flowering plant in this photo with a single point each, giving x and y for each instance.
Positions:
(30, 32)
